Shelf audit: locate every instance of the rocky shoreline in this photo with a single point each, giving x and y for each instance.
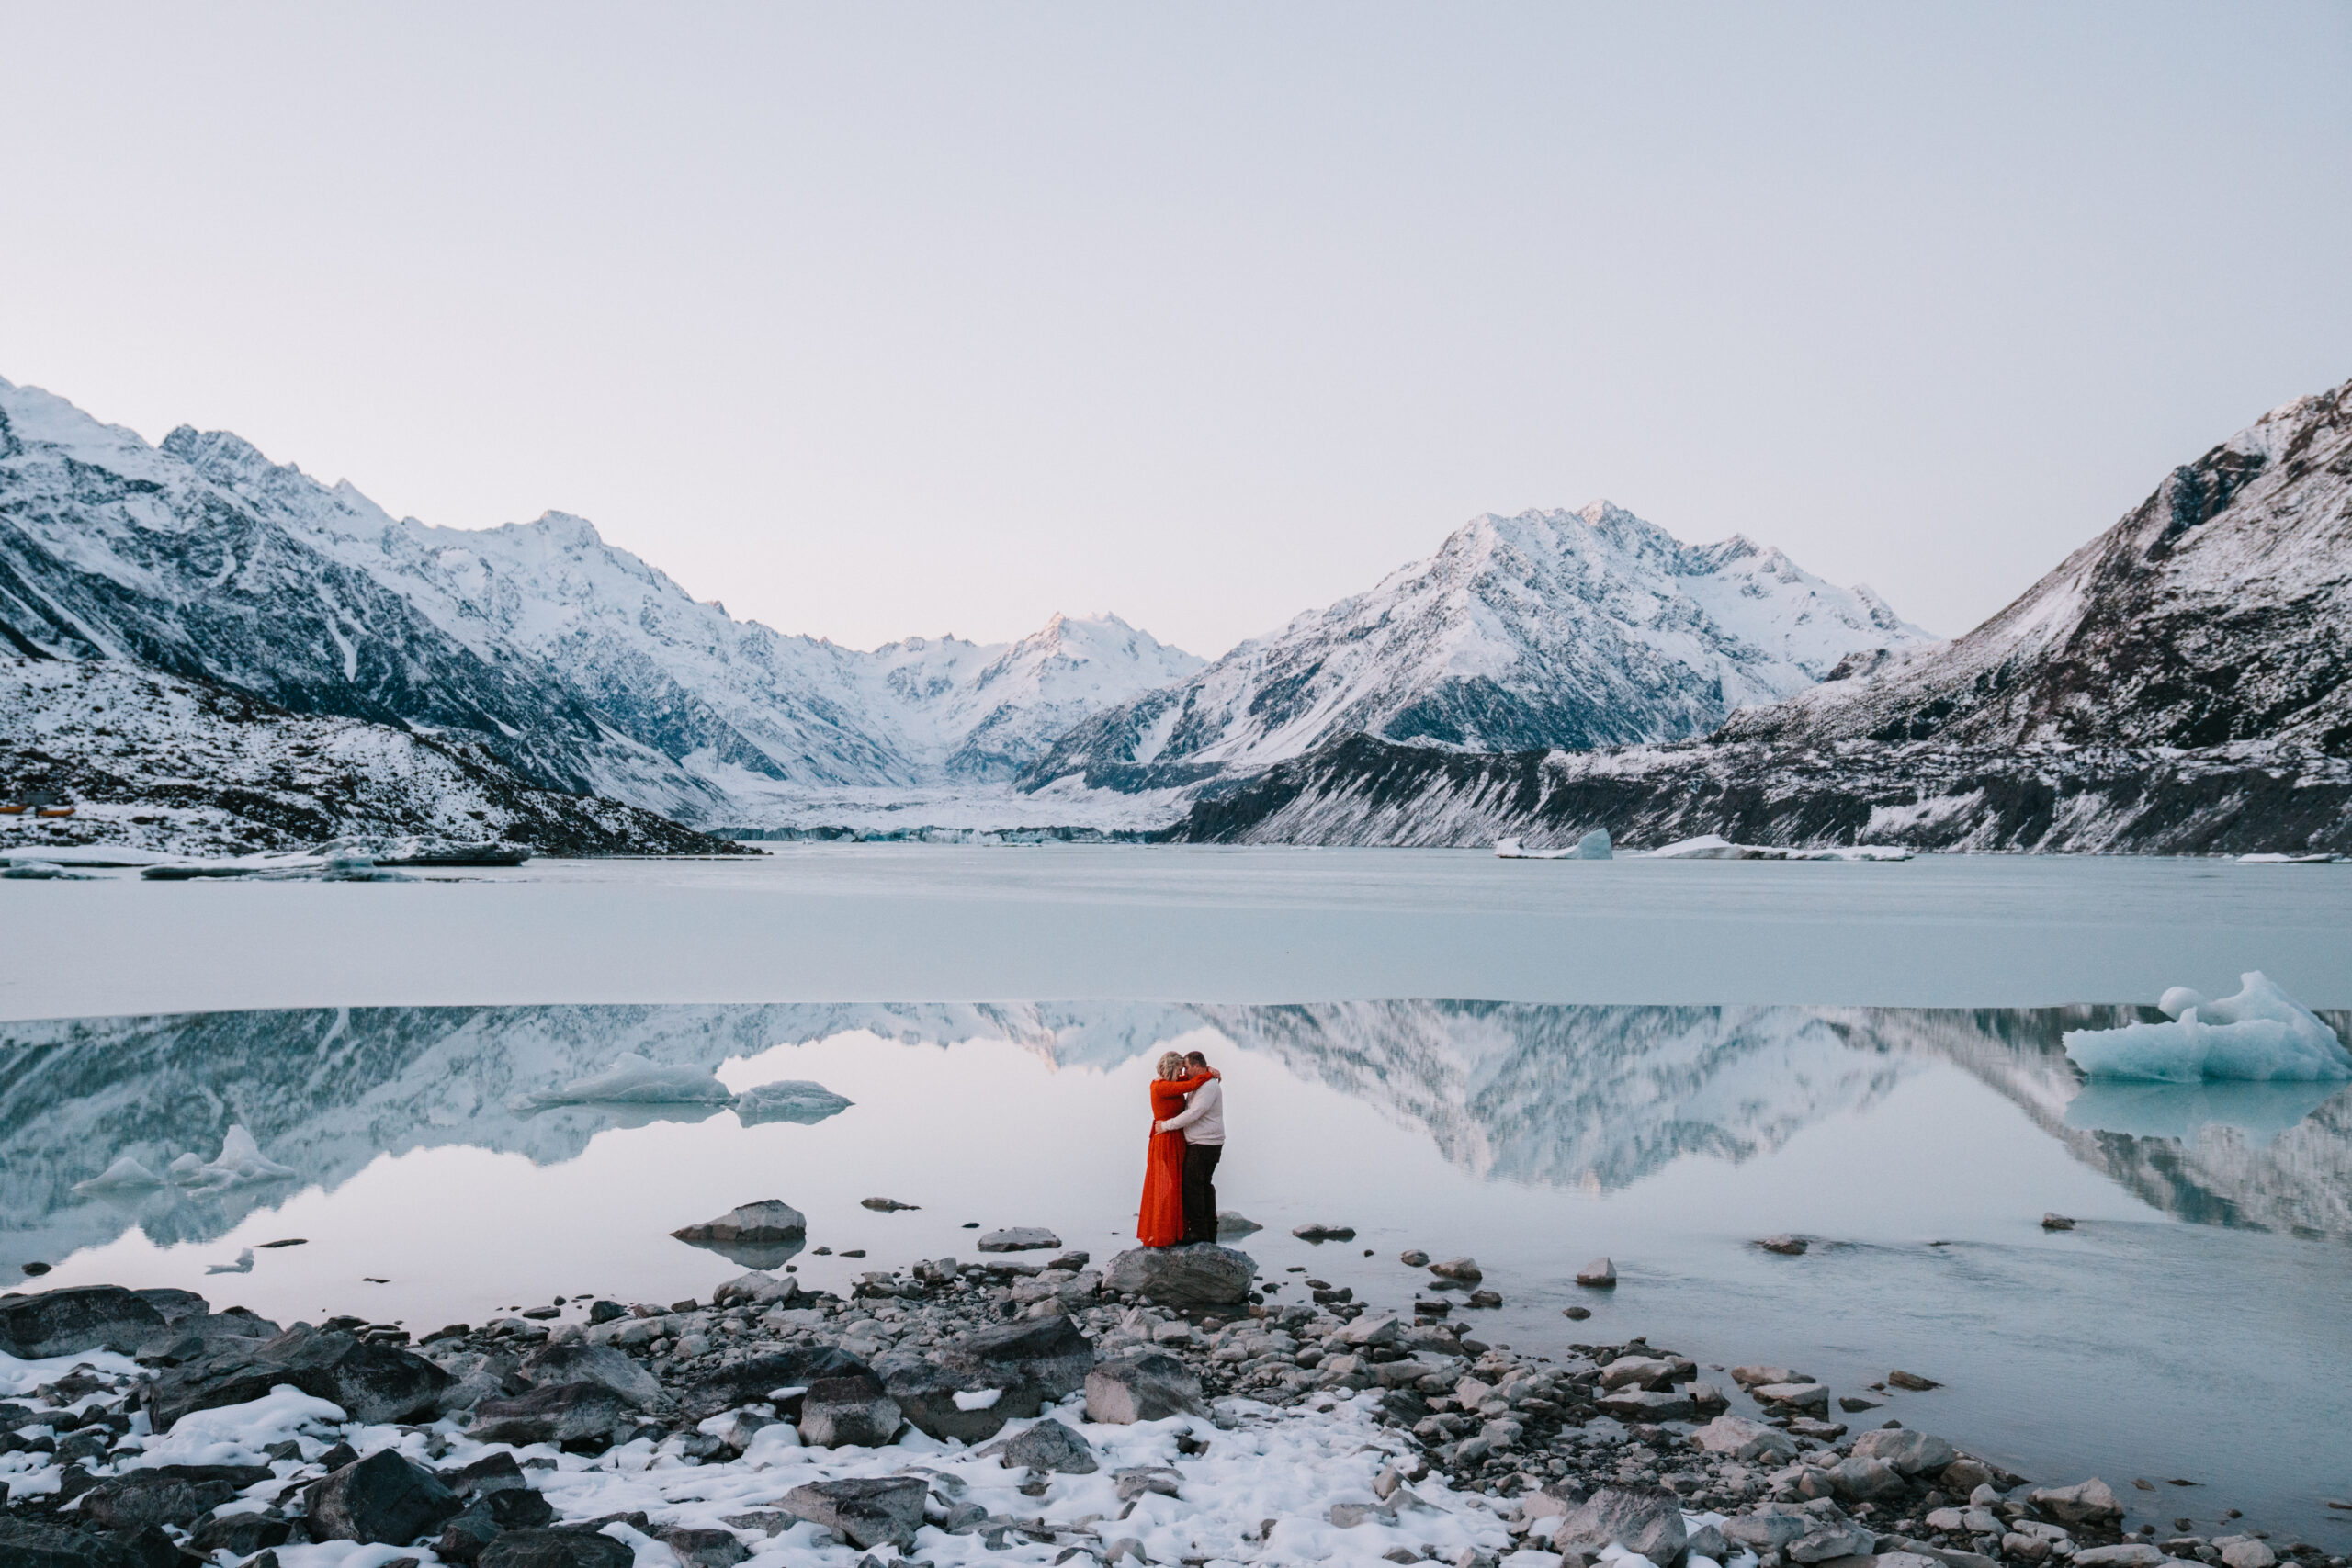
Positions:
(1164, 1408)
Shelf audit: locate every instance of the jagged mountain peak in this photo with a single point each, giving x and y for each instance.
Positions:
(2212, 613)
(1576, 629)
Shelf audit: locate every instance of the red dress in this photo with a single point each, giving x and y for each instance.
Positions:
(1161, 1222)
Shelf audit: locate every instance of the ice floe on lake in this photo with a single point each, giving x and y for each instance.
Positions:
(241, 1164)
(1714, 846)
(792, 1099)
(633, 1081)
(1592, 846)
(2260, 1035)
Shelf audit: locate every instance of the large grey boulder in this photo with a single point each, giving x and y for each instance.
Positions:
(44, 1543)
(599, 1364)
(1146, 1387)
(928, 1395)
(852, 1412)
(1632, 1404)
(1746, 1441)
(867, 1511)
(1201, 1275)
(1862, 1479)
(755, 1380)
(770, 1220)
(382, 1499)
(372, 1382)
(1048, 1446)
(78, 1317)
(560, 1414)
(1913, 1453)
(1770, 1527)
(152, 1497)
(555, 1548)
(490, 1516)
(1644, 1519)
(239, 1535)
(1046, 1352)
(2089, 1502)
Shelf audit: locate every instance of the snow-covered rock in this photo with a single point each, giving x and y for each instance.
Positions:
(1551, 628)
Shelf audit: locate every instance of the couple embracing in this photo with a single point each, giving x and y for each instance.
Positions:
(1187, 1139)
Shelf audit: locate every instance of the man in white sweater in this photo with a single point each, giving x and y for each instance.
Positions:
(1203, 1124)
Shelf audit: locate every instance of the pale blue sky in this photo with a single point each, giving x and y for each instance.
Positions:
(873, 320)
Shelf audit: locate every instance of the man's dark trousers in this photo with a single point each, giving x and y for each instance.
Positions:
(1200, 1190)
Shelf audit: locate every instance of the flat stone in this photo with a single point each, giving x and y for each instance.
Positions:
(1814, 1396)
(1912, 1452)
(1911, 1381)
(239, 1535)
(852, 1412)
(1738, 1437)
(1464, 1270)
(1182, 1276)
(556, 1548)
(1320, 1230)
(79, 1317)
(1600, 1274)
(490, 1516)
(1152, 1386)
(1373, 1328)
(1632, 1404)
(1828, 1538)
(1348, 1516)
(1018, 1239)
(770, 1221)
(1786, 1246)
(927, 1393)
(382, 1499)
(42, 1543)
(869, 1512)
(1770, 1527)
(2054, 1221)
(1751, 1377)
(1229, 1222)
(2140, 1554)
(2089, 1502)
(1413, 1257)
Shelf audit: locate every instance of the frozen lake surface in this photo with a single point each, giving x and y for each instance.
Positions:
(918, 922)
(1670, 1061)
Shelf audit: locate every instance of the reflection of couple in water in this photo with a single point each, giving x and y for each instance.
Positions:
(1187, 1138)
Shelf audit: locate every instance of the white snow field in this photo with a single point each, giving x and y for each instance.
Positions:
(1189, 923)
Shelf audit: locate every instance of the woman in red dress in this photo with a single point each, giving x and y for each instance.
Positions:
(1161, 1222)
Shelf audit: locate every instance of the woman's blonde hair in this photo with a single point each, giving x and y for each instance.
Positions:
(1171, 1065)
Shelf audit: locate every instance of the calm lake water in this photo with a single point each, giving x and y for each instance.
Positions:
(2192, 1326)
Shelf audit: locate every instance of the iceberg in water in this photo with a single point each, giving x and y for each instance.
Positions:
(793, 1100)
(125, 1174)
(633, 1081)
(1714, 846)
(2260, 1035)
(1592, 846)
(241, 1164)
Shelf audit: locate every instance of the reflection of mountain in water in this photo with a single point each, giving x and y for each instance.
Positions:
(1560, 1095)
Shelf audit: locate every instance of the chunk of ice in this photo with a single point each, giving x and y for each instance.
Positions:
(633, 1081)
(2260, 1035)
(241, 1164)
(125, 1174)
(793, 1099)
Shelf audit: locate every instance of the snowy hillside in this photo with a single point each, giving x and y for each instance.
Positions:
(1561, 628)
(163, 762)
(2213, 612)
(577, 664)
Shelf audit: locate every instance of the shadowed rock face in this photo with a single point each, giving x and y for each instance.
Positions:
(1599, 1097)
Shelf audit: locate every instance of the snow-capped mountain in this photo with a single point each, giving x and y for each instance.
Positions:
(2214, 612)
(577, 664)
(1551, 628)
